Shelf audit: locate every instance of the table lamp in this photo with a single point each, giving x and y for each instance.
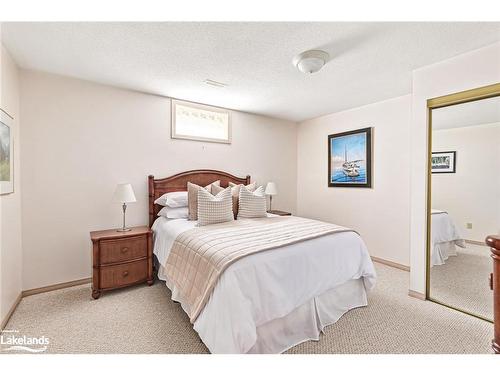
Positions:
(124, 194)
(271, 190)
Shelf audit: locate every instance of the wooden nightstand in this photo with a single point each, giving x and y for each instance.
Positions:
(121, 259)
(280, 213)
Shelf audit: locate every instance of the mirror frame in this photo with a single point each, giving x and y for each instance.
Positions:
(484, 92)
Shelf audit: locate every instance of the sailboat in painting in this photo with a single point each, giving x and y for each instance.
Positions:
(350, 168)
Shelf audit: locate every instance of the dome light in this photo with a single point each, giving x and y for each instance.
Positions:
(310, 61)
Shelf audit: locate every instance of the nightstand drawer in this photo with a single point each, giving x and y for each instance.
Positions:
(112, 251)
(123, 274)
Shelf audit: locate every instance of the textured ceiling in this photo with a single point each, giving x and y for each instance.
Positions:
(485, 111)
(369, 61)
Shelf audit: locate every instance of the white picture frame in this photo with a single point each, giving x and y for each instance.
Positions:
(215, 127)
(6, 154)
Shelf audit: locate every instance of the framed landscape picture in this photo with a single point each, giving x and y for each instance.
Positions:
(444, 162)
(6, 155)
(349, 159)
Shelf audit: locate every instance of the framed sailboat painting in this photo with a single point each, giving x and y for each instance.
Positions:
(350, 159)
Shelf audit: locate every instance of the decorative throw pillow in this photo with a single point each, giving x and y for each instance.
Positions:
(174, 199)
(250, 187)
(217, 189)
(174, 213)
(235, 191)
(214, 209)
(193, 197)
(252, 204)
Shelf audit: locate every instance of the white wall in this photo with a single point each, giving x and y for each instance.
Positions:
(467, 71)
(80, 139)
(379, 214)
(10, 204)
(472, 194)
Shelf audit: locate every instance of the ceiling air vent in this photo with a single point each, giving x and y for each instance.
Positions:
(214, 83)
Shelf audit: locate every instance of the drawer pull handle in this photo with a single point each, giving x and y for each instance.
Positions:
(124, 250)
(125, 273)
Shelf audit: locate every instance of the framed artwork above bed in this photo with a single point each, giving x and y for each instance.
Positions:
(349, 159)
(199, 122)
(444, 162)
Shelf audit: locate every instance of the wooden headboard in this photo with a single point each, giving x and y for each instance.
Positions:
(178, 182)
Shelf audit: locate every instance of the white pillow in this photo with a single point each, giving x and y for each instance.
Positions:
(174, 199)
(252, 203)
(215, 209)
(174, 213)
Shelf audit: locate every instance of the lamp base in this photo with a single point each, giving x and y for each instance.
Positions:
(124, 230)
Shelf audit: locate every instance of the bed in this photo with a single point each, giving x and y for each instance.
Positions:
(272, 300)
(445, 236)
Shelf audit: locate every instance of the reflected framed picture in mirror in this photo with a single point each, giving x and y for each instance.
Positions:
(444, 162)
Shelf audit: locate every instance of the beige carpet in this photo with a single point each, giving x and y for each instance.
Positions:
(463, 281)
(144, 320)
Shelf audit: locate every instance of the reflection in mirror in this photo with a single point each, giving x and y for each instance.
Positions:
(465, 199)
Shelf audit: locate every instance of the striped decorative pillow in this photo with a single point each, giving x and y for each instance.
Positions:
(252, 204)
(193, 197)
(235, 190)
(214, 209)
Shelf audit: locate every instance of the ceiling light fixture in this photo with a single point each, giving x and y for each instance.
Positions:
(310, 61)
(214, 83)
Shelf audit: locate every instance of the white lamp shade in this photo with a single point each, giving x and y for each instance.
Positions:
(271, 188)
(124, 193)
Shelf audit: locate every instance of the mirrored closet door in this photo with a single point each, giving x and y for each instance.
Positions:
(464, 199)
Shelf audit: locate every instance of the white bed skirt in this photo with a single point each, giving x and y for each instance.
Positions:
(308, 321)
(442, 251)
(305, 322)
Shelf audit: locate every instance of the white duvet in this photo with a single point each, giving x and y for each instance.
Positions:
(268, 285)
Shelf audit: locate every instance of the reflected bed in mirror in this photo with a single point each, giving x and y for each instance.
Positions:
(464, 203)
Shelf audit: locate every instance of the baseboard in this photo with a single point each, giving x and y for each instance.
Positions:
(44, 289)
(474, 242)
(11, 311)
(418, 295)
(50, 288)
(391, 264)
